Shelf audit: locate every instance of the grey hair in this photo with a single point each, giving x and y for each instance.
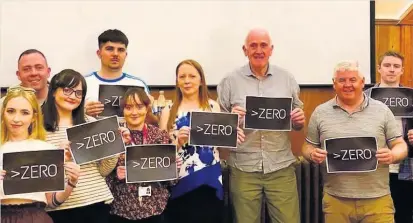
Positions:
(347, 65)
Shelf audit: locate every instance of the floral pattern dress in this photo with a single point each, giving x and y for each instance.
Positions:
(201, 164)
(126, 202)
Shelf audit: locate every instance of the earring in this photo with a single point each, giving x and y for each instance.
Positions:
(30, 128)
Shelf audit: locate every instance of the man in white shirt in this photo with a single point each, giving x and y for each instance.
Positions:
(112, 53)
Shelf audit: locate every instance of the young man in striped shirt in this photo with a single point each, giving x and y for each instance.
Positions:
(112, 53)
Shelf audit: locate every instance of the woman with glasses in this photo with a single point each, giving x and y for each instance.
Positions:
(64, 108)
(22, 131)
(128, 204)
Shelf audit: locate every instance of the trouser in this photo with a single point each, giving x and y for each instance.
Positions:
(358, 210)
(25, 213)
(198, 206)
(278, 188)
(94, 213)
(402, 194)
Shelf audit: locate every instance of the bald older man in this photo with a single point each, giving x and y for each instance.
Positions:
(361, 197)
(263, 166)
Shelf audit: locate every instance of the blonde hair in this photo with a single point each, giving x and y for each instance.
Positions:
(36, 129)
(347, 65)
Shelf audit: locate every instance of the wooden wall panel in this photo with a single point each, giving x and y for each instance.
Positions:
(387, 38)
(311, 97)
(406, 48)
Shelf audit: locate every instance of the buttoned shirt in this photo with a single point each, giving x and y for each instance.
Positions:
(262, 151)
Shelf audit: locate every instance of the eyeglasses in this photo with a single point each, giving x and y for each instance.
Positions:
(69, 91)
(20, 88)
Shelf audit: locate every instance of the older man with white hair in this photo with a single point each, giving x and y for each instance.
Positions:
(355, 196)
(262, 167)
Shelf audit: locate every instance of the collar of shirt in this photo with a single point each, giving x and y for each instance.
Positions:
(363, 105)
(378, 85)
(248, 72)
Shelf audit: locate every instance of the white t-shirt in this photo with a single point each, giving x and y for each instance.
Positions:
(23, 146)
(93, 81)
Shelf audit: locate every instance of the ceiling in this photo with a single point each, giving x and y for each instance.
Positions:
(392, 9)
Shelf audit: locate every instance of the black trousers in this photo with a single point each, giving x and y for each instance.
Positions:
(402, 194)
(198, 206)
(94, 213)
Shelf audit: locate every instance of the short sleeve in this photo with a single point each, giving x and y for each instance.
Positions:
(392, 130)
(313, 130)
(224, 93)
(297, 103)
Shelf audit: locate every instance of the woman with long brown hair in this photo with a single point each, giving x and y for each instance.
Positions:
(198, 196)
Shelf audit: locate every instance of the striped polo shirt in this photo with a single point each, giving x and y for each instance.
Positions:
(373, 119)
(93, 81)
(91, 187)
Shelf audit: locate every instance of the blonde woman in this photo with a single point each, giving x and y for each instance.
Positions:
(22, 130)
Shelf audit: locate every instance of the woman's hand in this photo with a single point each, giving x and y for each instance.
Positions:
(121, 172)
(72, 172)
(2, 174)
(179, 162)
(66, 146)
(126, 136)
(183, 135)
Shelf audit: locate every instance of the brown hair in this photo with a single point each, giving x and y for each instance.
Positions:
(203, 92)
(143, 97)
(391, 53)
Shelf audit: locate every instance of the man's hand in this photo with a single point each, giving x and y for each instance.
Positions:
(385, 156)
(240, 111)
(93, 108)
(240, 135)
(298, 118)
(410, 136)
(318, 155)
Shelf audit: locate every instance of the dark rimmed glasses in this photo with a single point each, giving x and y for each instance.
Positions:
(69, 91)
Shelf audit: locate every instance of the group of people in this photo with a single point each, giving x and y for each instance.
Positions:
(36, 113)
